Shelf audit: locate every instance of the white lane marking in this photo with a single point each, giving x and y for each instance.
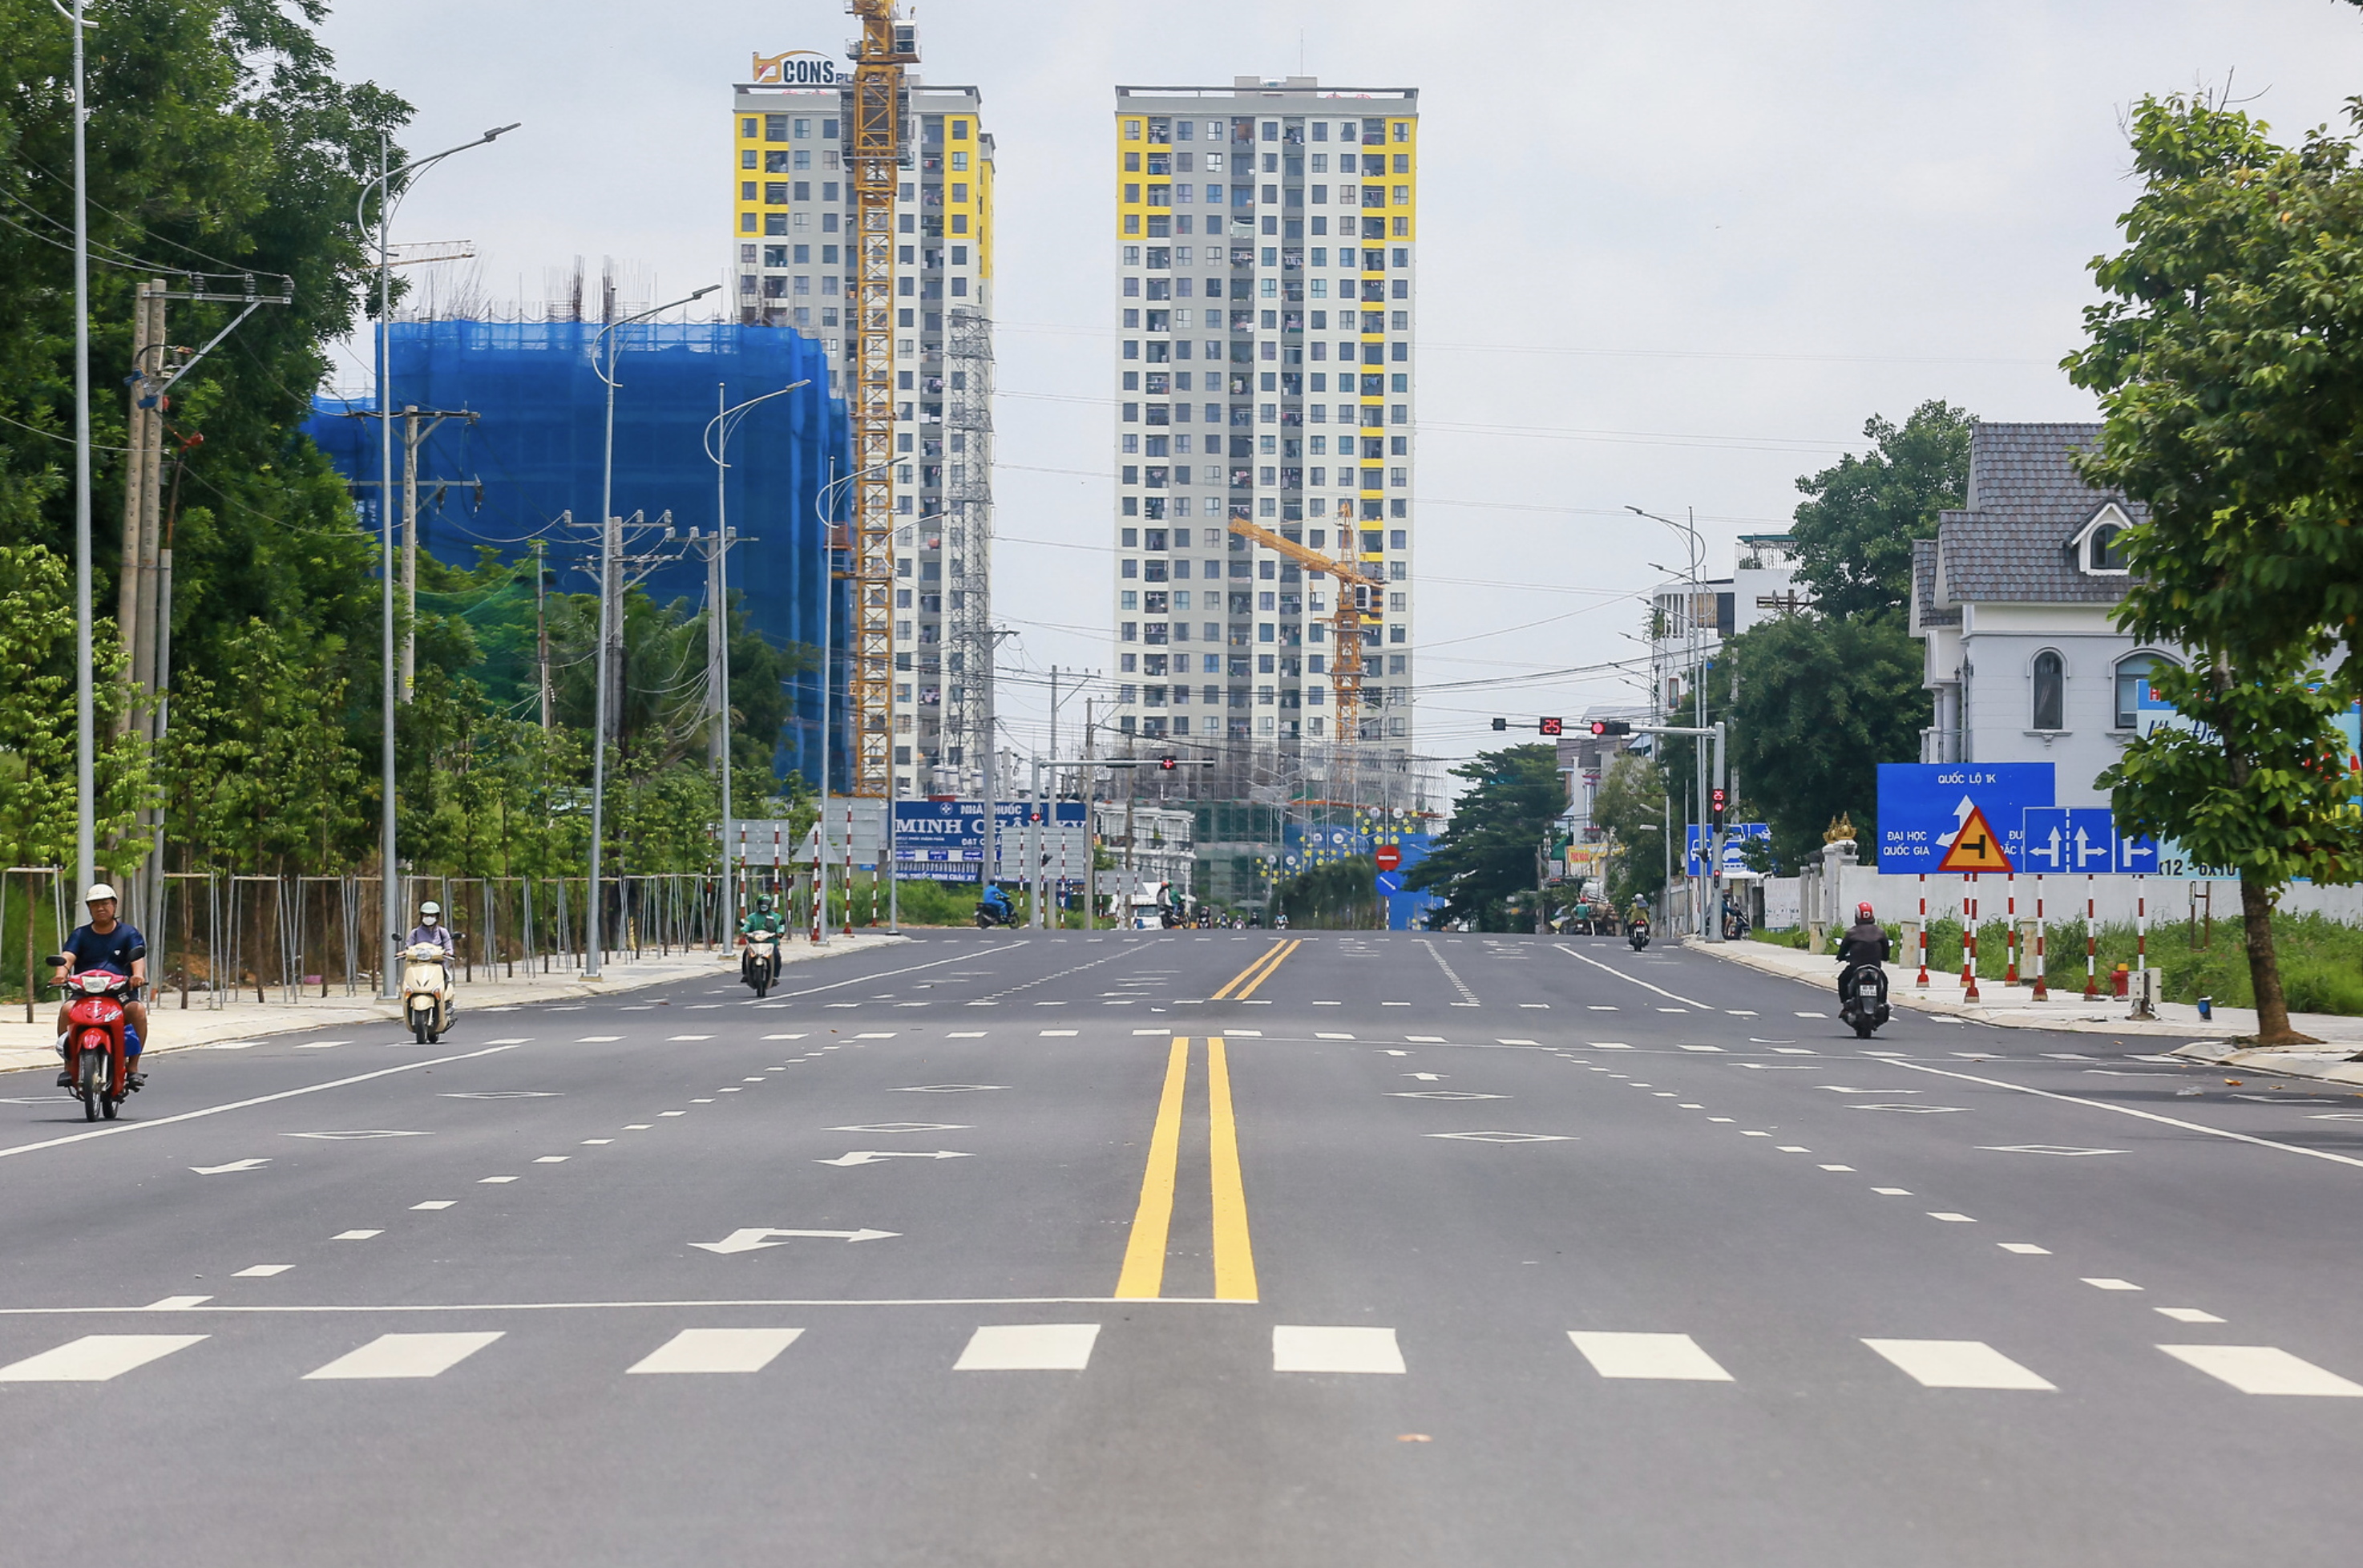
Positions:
(597, 1038)
(322, 1044)
(1955, 1364)
(1544, 1006)
(263, 1271)
(1636, 980)
(1714, 1047)
(1893, 1192)
(94, 1358)
(404, 1355)
(1318, 1035)
(551, 1159)
(948, 1088)
(492, 1181)
(1951, 1218)
(1793, 1050)
(1507, 1137)
(2262, 1369)
(679, 1037)
(234, 1165)
(1600, 1007)
(437, 1203)
(242, 1104)
(906, 1127)
(880, 1034)
(1670, 1356)
(979, 1034)
(1028, 1347)
(2187, 1315)
(355, 1235)
(717, 1349)
(2111, 1284)
(1303, 1349)
(2066, 1151)
(1517, 1042)
(783, 1036)
(2024, 1249)
(1838, 1167)
(1794, 1149)
(1607, 1045)
(1059, 1034)
(1137, 1032)
(1755, 1135)
(356, 1135)
(176, 1304)
(2121, 1110)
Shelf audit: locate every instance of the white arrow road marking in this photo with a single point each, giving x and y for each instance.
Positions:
(950, 1088)
(2064, 1150)
(906, 1127)
(349, 1137)
(749, 1240)
(1440, 1095)
(225, 1169)
(1425, 1077)
(871, 1156)
(504, 1095)
(1506, 1137)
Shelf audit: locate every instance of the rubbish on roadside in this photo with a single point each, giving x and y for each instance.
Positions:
(2235, 1082)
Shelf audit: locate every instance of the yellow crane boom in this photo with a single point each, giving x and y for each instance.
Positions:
(1358, 601)
(875, 146)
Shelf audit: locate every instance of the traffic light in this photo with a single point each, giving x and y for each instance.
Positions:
(1166, 764)
(1717, 799)
(1501, 724)
(1550, 726)
(1610, 726)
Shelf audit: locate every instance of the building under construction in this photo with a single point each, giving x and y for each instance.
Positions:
(526, 471)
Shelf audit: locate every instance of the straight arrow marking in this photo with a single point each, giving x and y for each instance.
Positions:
(233, 1165)
(871, 1156)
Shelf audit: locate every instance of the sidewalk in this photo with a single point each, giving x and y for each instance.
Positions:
(24, 1045)
(2014, 1007)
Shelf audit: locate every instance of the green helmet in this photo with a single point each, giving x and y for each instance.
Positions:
(764, 905)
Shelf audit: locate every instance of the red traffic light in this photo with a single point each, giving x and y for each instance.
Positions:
(1551, 726)
(1717, 799)
(1610, 726)
(1166, 762)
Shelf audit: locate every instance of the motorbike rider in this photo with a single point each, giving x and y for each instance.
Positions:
(762, 922)
(1639, 914)
(1865, 943)
(109, 944)
(431, 931)
(998, 902)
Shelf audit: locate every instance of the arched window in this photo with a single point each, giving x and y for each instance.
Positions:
(2050, 691)
(2104, 555)
(2133, 687)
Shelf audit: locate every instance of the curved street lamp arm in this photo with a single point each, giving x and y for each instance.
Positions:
(714, 448)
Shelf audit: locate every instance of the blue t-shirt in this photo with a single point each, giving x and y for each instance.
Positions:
(114, 952)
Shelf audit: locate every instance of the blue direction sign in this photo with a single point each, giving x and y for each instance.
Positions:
(1735, 834)
(1922, 804)
(2070, 840)
(2137, 854)
(1390, 884)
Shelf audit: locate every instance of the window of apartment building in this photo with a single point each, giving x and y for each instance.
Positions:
(775, 128)
(2133, 687)
(2049, 695)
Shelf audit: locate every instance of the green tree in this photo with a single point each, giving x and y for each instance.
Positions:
(1483, 862)
(2228, 358)
(1854, 536)
(1631, 805)
(1821, 703)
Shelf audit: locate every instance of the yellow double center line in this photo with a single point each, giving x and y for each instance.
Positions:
(1254, 975)
(1143, 1276)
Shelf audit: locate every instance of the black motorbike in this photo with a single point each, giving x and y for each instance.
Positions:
(990, 915)
(1637, 933)
(1863, 997)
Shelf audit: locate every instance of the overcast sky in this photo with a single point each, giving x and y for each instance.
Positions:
(1733, 231)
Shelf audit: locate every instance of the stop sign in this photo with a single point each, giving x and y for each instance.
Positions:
(1389, 857)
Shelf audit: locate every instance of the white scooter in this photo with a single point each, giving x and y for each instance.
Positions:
(427, 1001)
(758, 962)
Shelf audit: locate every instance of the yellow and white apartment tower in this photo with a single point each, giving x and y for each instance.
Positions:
(1267, 238)
(791, 259)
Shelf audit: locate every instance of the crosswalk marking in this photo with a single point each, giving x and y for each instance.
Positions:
(94, 1358)
(1029, 1347)
(2262, 1369)
(1669, 1356)
(1314, 1349)
(1955, 1364)
(717, 1349)
(404, 1355)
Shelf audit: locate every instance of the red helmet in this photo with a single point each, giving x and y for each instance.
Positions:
(1862, 913)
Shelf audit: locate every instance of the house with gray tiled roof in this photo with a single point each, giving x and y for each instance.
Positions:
(2014, 603)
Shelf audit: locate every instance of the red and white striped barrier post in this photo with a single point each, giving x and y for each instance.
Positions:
(849, 865)
(2042, 989)
(2092, 945)
(2009, 933)
(1923, 981)
(2141, 925)
(1969, 944)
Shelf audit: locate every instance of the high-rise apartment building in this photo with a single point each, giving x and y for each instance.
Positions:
(1266, 247)
(793, 258)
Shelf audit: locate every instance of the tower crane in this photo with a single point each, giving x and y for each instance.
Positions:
(875, 146)
(1359, 602)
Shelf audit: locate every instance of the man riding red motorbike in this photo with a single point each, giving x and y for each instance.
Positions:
(106, 943)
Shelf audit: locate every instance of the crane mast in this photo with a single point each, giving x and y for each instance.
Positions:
(1358, 602)
(876, 150)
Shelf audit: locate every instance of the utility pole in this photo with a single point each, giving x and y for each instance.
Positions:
(541, 616)
(85, 791)
(413, 437)
(1085, 784)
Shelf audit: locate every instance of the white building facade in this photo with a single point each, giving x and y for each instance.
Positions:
(1265, 307)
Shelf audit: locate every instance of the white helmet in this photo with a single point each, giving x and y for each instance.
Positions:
(428, 911)
(98, 890)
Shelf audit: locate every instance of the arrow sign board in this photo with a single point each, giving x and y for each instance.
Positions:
(2084, 838)
(1977, 847)
(755, 1240)
(1924, 807)
(1389, 884)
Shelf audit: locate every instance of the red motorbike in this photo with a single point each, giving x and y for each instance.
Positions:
(96, 1061)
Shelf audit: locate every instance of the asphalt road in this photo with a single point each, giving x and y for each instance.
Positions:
(1184, 1248)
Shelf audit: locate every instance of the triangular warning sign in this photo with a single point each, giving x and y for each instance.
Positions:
(1977, 847)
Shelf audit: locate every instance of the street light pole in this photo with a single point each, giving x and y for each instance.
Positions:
(389, 879)
(607, 614)
(717, 611)
(85, 767)
(828, 652)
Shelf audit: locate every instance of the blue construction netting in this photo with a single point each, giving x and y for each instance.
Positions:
(537, 443)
